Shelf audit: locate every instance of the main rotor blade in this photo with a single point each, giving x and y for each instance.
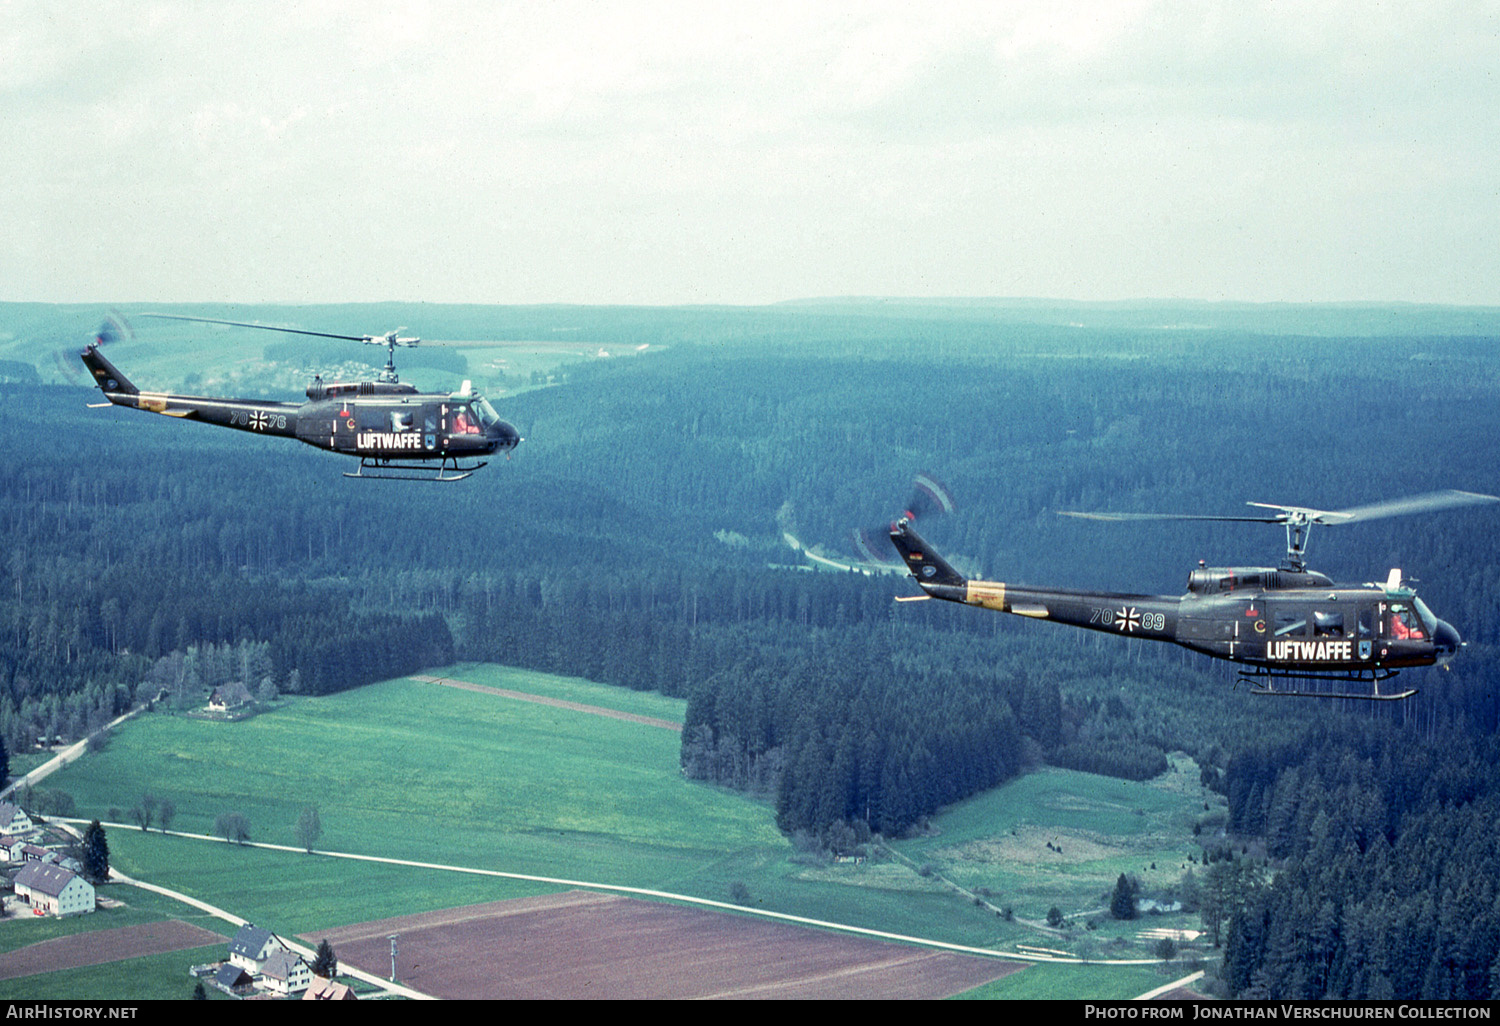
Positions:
(263, 327)
(1412, 504)
(1301, 514)
(1167, 516)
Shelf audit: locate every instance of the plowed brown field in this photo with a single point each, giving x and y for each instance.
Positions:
(100, 946)
(585, 945)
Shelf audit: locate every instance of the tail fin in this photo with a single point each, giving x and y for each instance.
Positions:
(106, 375)
(922, 559)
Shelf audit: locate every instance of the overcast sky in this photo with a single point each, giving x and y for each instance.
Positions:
(748, 152)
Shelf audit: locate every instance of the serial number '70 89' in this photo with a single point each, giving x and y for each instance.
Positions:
(1128, 618)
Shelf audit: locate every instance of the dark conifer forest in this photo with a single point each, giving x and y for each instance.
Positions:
(639, 538)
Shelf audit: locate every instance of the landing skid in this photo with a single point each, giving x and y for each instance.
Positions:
(449, 469)
(1282, 684)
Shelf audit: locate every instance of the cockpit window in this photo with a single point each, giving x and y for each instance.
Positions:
(1403, 622)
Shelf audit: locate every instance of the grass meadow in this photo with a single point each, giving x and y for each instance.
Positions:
(423, 772)
(1061, 838)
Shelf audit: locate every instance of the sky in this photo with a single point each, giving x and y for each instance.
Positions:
(654, 152)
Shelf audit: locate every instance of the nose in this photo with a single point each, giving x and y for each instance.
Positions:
(1446, 641)
(504, 437)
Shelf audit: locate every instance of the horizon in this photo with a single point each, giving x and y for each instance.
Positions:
(915, 300)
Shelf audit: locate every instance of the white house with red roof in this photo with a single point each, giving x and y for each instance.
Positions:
(323, 989)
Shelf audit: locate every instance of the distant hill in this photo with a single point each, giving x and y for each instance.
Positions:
(1324, 319)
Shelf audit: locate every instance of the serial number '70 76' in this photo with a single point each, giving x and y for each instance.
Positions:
(257, 420)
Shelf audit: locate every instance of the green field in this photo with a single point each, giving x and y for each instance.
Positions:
(1041, 839)
(428, 773)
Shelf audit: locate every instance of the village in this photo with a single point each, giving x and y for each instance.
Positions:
(44, 881)
(41, 879)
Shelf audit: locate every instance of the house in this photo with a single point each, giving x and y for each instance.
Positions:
(285, 973)
(36, 853)
(322, 989)
(13, 820)
(12, 847)
(233, 695)
(251, 946)
(233, 979)
(53, 890)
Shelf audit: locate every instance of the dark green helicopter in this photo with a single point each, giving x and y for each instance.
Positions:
(1291, 629)
(394, 431)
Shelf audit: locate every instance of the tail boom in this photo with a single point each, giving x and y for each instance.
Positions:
(1145, 616)
(257, 415)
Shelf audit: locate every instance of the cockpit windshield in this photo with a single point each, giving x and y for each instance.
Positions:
(485, 412)
(1428, 619)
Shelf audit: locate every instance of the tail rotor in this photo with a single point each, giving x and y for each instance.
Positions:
(115, 328)
(929, 499)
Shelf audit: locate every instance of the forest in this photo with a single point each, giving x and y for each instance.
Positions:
(638, 538)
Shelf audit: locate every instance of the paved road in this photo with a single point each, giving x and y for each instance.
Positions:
(62, 758)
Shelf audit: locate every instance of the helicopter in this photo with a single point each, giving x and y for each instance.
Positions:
(396, 432)
(1292, 630)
